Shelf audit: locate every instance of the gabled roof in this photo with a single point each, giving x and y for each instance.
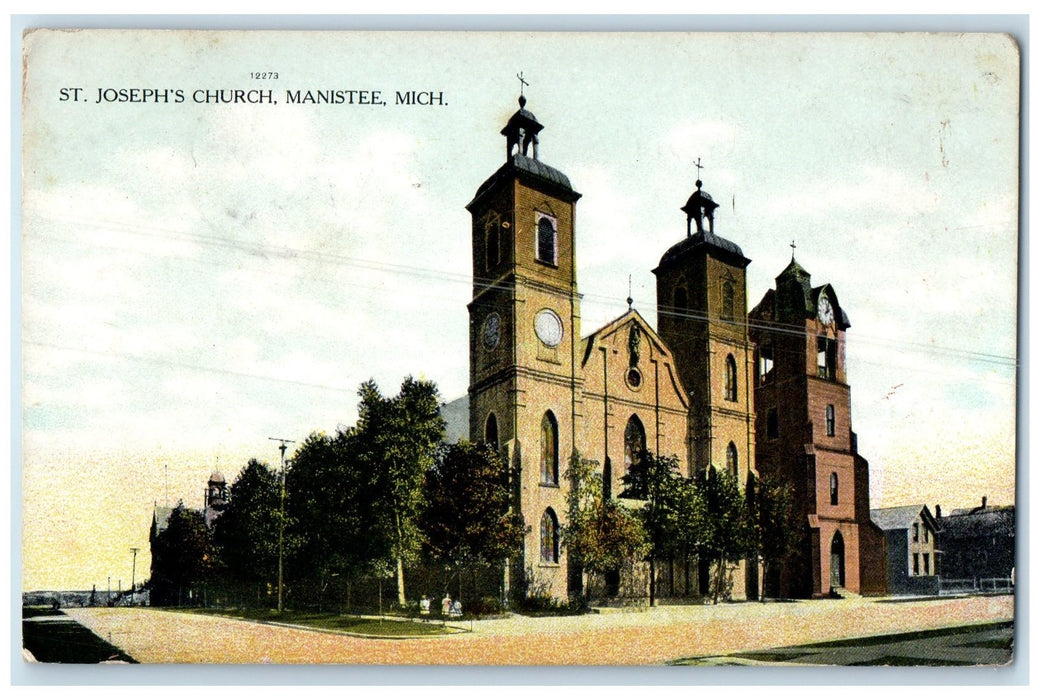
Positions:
(619, 322)
(901, 517)
(633, 316)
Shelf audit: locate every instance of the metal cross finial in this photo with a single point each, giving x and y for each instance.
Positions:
(792, 250)
(629, 300)
(520, 77)
(698, 166)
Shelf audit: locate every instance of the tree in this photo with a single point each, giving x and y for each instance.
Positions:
(329, 501)
(183, 555)
(774, 517)
(601, 535)
(467, 521)
(397, 439)
(726, 532)
(669, 505)
(247, 532)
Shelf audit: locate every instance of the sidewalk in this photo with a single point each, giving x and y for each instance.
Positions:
(656, 636)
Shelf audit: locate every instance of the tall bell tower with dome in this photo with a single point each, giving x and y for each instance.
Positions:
(702, 317)
(524, 320)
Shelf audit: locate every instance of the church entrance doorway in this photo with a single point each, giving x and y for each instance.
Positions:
(837, 561)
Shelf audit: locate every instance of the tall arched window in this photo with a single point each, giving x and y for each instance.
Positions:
(546, 252)
(682, 299)
(494, 245)
(727, 301)
(834, 488)
(550, 449)
(550, 537)
(732, 461)
(635, 442)
(731, 378)
(491, 431)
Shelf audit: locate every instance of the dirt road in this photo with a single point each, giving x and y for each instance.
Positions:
(626, 638)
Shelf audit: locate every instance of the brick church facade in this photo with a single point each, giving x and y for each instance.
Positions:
(541, 391)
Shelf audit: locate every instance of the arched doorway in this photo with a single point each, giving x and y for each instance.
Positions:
(837, 561)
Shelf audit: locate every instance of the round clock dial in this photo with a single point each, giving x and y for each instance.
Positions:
(825, 310)
(492, 330)
(548, 327)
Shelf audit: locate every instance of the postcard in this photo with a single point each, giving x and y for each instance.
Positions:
(519, 348)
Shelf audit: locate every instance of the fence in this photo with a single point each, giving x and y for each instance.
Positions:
(953, 586)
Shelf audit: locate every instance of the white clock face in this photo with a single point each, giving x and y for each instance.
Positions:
(548, 327)
(492, 330)
(826, 311)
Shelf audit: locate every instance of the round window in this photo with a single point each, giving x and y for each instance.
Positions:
(548, 327)
(633, 378)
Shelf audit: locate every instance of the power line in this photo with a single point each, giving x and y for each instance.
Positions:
(324, 257)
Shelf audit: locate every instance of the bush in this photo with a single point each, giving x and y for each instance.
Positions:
(544, 605)
(488, 605)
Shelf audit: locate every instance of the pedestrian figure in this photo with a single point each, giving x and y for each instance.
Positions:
(446, 605)
(456, 609)
(424, 607)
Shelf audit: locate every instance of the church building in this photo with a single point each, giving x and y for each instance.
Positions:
(539, 390)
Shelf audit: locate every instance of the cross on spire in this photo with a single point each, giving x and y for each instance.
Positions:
(698, 166)
(793, 246)
(629, 300)
(520, 77)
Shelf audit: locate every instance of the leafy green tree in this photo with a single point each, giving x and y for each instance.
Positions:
(669, 506)
(397, 438)
(247, 532)
(467, 521)
(183, 556)
(328, 504)
(727, 533)
(775, 520)
(601, 535)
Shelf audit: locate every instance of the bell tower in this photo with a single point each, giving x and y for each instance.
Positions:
(702, 317)
(805, 437)
(524, 395)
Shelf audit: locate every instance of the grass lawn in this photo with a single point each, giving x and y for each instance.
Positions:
(63, 640)
(379, 627)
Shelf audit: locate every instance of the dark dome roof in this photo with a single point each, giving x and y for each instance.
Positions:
(217, 477)
(520, 164)
(699, 240)
(698, 196)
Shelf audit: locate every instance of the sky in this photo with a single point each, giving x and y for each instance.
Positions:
(199, 278)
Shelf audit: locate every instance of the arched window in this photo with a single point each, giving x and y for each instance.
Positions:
(494, 245)
(731, 378)
(732, 461)
(681, 297)
(491, 431)
(834, 488)
(830, 419)
(550, 449)
(550, 537)
(635, 442)
(546, 252)
(727, 301)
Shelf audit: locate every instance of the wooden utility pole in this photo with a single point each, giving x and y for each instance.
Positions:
(281, 513)
(133, 574)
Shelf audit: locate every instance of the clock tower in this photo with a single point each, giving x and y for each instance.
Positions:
(804, 436)
(524, 395)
